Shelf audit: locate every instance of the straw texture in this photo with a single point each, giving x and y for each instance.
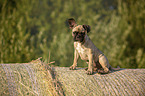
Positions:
(38, 79)
(126, 82)
(25, 79)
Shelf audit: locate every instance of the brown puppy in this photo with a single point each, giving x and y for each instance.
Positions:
(85, 48)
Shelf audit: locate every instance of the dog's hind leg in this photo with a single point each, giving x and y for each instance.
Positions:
(104, 63)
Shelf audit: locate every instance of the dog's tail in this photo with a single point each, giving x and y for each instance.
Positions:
(115, 69)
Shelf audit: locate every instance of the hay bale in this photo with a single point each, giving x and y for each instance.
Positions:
(126, 82)
(25, 79)
(35, 78)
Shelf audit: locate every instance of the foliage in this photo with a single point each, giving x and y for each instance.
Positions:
(33, 28)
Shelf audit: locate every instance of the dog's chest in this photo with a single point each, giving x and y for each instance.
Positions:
(81, 50)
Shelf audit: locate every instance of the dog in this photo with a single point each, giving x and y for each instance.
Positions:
(85, 49)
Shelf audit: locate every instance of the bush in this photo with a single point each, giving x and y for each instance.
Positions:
(30, 29)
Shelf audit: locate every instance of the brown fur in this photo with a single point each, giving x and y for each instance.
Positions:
(85, 49)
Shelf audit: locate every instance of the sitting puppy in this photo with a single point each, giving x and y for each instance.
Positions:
(85, 48)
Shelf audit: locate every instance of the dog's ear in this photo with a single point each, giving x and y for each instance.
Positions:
(71, 22)
(87, 28)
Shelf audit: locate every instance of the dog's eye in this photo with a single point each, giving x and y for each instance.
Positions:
(75, 33)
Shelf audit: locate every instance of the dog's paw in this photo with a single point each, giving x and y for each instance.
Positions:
(72, 68)
(86, 68)
(103, 72)
(89, 72)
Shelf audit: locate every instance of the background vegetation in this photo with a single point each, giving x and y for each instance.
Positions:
(36, 28)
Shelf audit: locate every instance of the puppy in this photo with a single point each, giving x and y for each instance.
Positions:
(85, 49)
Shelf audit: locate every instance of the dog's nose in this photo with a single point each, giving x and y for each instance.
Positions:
(78, 36)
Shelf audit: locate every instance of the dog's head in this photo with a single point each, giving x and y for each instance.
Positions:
(78, 31)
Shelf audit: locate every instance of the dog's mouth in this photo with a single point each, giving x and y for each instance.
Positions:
(79, 39)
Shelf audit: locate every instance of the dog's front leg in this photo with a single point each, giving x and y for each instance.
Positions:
(90, 65)
(76, 57)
